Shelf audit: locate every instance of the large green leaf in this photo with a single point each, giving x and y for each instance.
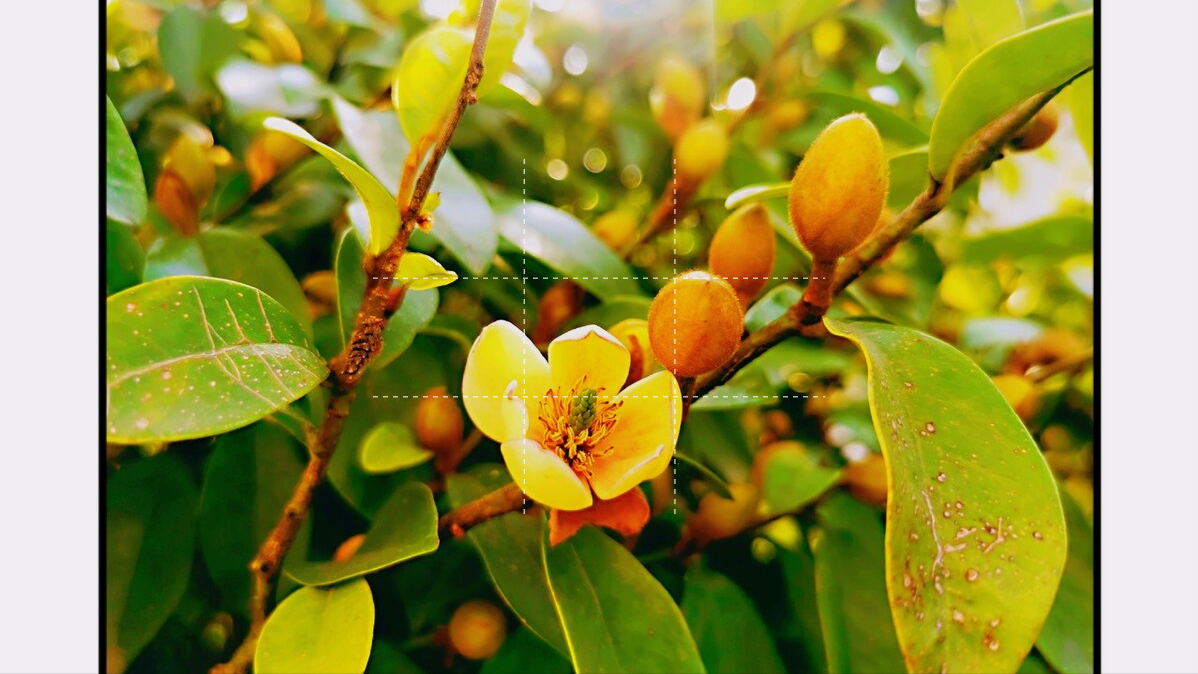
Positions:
(616, 616)
(389, 447)
(150, 539)
(798, 568)
(850, 589)
(124, 260)
(1052, 239)
(248, 480)
(193, 44)
(524, 653)
(462, 221)
(510, 547)
(380, 205)
(405, 527)
(1004, 75)
(125, 186)
(992, 20)
(233, 254)
(976, 540)
(1067, 640)
(429, 79)
(418, 308)
(189, 357)
(318, 630)
(793, 478)
(568, 247)
(507, 27)
(727, 628)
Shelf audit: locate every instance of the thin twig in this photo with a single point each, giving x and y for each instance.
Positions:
(506, 499)
(378, 303)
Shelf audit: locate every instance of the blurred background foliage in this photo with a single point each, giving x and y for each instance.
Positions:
(1005, 274)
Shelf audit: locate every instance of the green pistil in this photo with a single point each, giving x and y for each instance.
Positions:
(583, 410)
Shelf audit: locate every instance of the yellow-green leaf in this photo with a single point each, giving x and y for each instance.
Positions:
(384, 214)
(429, 79)
(418, 271)
(318, 629)
(507, 27)
(125, 187)
(389, 447)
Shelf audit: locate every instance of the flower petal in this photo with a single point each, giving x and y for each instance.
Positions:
(503, 369)
(544, 477)
(591, 352)
(627, 514)
(642, 441)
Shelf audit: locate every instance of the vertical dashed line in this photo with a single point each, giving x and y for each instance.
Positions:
(524, 296)
(674, 263)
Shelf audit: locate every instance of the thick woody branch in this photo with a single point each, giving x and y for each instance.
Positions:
(506, 499)
(364, 343)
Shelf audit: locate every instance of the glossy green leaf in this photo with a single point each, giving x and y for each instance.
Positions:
(908, 177)
(730, 634)
(287, 89)
(893, 127)
(405, 527)
(1067, 640)
(794, 479)
(510, 547)
(429, 79)
(568, 247)
(248, 480)
(193, 44)
(125, 186)
(189, 356)
(389, 447)
(523, 652)
(388, 658)
(1052, 239)
(318, 629)
(384, 215)
(615, 615)
(418, 271)
(798, 568)
(418, 308)
(717, 483)
(976, 539)
(463, 220)
(850, 589)
(507, 27)
(232, 254)
(752, 194)
(992, 20)
(150, 520)
(1004, 75)
(772, 305)
(124, 260)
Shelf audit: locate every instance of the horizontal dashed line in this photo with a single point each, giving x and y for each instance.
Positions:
(724, 397)
(600, 278)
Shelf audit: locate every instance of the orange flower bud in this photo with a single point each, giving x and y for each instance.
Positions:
(477, 629)
(616, 228)
(677, 96)
(192, 162)
(348, 548)
(561, 302)
(695, 323)
(439, 423)
(742, 250)
(1038, 130)
(839, 188)
(176, 202)
(718, 517)
(270, 152)
(701, 150)
(866, 479)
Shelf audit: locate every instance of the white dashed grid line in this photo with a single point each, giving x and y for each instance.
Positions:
(674, 266)
(524, 300)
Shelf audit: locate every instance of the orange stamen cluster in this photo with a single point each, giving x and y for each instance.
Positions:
(577, 446)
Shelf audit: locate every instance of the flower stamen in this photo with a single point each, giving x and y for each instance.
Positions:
(576, 425)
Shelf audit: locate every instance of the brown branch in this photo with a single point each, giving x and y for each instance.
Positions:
(378, 303)
(803, 317)
(506, 499)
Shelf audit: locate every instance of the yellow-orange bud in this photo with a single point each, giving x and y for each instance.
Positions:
(695, 323)
(561, 302)
(718, 517)
(701, 151)
(439, 423)
(838, 191)
(866, 479)
(616, 228)
(742, 250)
(1038, 130)
(192, 162)
(477, 629)
(348, 548)
(176, 202)
(677, 96)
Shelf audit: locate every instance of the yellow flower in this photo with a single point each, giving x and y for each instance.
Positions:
(565, 428)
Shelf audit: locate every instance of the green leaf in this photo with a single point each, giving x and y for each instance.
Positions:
(507, 27)
(892, 126)
(248, 480)
(193, 44)
(384, 215)
(389, 447)
(731, 11)
(730, 634)
(992, 20)
(418, 308)
(616, 616)
(1052, 239)
(718, 484)
(429, 79)
(908, 177)
(318, 630)
(752, 194)
(772, 306)
(568, 247)
(386, 658)
(804, 626)
(976, 540)
(232, 254)
(1003, 76)
(523, 652)
(801, 14)
(405, 527)
(510, 547)
(1067, 640)
(124, 260)
(850, 589)
(287, 89)
(189, 357)
(418, 271)
(125, 186)
(150, 519)
(1080, 98)
(462, 220)
(793, 479)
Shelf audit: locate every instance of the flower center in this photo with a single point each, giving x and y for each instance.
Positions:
(576, 425)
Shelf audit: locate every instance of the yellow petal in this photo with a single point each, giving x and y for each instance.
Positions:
(544, 476)
(642, 442)
(505, 377)
(591, 352)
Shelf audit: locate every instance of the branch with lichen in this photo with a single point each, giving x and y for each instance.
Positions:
(379, 302)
